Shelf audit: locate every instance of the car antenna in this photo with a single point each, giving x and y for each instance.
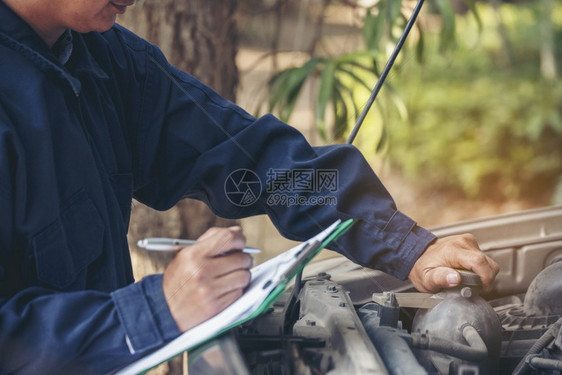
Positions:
(385, 72)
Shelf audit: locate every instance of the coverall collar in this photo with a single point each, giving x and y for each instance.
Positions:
(16, 34)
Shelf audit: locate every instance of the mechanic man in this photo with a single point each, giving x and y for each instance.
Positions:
(91, 116)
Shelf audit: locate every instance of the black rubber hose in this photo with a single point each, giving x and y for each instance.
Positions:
(394, 351)
(523, 366)
(546, 364)
(475, 351)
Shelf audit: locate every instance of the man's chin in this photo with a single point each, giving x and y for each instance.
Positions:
(98, 27)
(108, 25)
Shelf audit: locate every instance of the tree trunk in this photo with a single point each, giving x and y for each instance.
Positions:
(199, 37)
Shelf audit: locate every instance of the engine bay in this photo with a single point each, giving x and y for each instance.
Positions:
(341, 318)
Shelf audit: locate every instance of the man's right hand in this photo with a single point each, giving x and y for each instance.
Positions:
(437, 266)
(205, 278)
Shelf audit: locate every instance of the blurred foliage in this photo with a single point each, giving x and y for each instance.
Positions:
(338, 77)
(481, 122)
(478, 113)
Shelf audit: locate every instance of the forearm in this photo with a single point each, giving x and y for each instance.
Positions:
(383, 237)
(80, 332)
(205, 140)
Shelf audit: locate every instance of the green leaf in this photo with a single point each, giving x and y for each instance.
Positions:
(420, 46)
(355, 77)
(349, 91)
(448, 30)
(356, 57)
(383, 139)
(394, 13)
(373, 29)
(340, 111)
(398, 103)
(286, 86)
(325, 94)
(368, 69)
(471, 4)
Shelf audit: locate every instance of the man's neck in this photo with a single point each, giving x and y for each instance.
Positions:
(38, 18)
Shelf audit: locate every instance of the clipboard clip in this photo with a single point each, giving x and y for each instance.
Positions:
(302, 257)
(298, 261)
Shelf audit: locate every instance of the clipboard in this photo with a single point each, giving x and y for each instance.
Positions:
(269, 280)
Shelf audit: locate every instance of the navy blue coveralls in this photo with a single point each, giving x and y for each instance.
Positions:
(78, 141)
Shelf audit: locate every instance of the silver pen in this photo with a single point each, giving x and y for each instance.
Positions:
(172, 244)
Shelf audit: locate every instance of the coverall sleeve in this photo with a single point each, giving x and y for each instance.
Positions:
(44, 331)
(200, 142)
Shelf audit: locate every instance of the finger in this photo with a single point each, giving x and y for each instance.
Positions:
(478, 263)
(221, 240)
(438, 278)
(469, 256)
(231, 262)
(208, 309)
(237, 280)
(494, 270)
(204, 269)
(224, 301)
(213, 230)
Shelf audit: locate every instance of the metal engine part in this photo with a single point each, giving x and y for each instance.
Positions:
(380, 320)
(326, 311)
(460, 307)
(317, 330)
(544, 296)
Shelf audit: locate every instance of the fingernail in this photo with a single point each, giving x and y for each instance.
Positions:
(453, 278)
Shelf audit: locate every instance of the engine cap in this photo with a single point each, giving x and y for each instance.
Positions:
(469, 278)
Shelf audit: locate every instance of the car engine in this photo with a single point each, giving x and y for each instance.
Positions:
(340, 318)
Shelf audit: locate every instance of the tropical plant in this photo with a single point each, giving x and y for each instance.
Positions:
(339, 76)
(480, 114)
